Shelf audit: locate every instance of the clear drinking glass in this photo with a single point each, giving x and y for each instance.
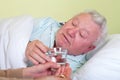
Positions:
(58, 55)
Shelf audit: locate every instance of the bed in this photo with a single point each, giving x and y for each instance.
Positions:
(103, 65)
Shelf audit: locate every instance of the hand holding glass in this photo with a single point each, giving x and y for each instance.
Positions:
(58, 55)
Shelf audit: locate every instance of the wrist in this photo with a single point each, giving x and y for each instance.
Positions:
(26, 73)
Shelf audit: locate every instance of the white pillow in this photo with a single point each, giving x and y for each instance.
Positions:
(104, 65)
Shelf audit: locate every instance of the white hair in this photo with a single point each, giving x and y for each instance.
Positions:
(101, 21)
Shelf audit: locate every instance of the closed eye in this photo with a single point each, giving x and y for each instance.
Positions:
(84, 34)
(73, 24)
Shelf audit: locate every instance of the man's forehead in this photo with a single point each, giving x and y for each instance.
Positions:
(82, 15)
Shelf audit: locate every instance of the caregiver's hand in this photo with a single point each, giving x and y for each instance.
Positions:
(35, 52)
(39, 70)
(64, 70)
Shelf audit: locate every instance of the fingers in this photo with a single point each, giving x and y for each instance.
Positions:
(41, 54)
(51, 65)
(48, 65)
(33, 60)
(64, 70)
(35, 52)
(37, 58)
(45, 73)
(40, 69)
(41, 46)
(67, 71)
(40, 49)
(60, 71)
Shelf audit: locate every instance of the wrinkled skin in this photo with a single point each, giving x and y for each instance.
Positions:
(78, 34)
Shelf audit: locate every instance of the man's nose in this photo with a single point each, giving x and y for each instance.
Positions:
(72, 32)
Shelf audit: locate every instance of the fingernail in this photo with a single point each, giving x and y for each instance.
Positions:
(48, 58)
(58, 65)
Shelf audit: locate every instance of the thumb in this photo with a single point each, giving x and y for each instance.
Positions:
(45, 66)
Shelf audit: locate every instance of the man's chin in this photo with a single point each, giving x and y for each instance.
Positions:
(73, 53)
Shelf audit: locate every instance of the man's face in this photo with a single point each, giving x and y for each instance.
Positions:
(78, 34)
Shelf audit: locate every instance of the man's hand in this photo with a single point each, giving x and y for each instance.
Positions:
(35, 52)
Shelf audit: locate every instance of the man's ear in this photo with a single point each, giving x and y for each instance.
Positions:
(90, 48)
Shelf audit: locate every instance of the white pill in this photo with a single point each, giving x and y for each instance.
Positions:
(53, 59)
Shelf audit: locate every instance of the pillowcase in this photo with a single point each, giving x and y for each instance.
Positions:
(104, 65)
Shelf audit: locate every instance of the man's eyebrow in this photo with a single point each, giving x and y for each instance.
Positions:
(76, 21)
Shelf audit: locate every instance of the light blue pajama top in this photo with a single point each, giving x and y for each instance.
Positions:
(45, 30)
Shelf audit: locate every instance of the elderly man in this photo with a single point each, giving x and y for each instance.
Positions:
(80, 35)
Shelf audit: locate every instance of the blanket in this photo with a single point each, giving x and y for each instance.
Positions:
(14, 36)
